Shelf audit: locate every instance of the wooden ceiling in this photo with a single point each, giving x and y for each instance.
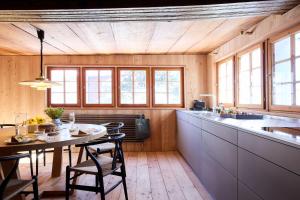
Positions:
(194, 36)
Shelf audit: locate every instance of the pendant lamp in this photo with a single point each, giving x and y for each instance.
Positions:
(40, 83)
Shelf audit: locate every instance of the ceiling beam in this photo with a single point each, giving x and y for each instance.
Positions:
(212, 11)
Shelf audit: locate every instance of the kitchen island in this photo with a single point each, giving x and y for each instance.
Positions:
(242, 159)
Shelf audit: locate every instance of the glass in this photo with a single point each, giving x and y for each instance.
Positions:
(20, 120)
(244, 95)
(92, 98)
(282, 94)
(59, 88)
(282, 72)
(71, 98)
(174, 76)
(160, 86)
(229, 68)
(256, 95)
(57, 98)
(229, 96)
(298, 69)
(229, 82)
(105, 75)
(71, 75)
(139, 86)
(245, 62)
(71, 86)
(140, 75)
(244, 79)
(126, 75)
(72, 119)
(298, 94)
(174, 88)
(57, 75)
(105, 87)
(282, 49)
(140, 98)
(256, 77)
(91, 87)
(297, 44)
(161, 98)
(91, 75)
(105, 98)
(174, 99)
(126, 87)
(256, 60)
(160, 75)
(126, 98)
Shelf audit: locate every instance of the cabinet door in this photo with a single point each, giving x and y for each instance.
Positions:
(224, 132)
(222, 151)
(267, 180)
(220, 184)
(245, 194)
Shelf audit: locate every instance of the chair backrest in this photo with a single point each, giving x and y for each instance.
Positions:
(7, 125)
(114, 127)
(8, 177)
(118, 156)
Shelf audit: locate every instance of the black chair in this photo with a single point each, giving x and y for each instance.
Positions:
(100, 167)
(112, 128)
(10, 187)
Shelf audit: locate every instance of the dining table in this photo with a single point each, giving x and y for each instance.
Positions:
(65, 136)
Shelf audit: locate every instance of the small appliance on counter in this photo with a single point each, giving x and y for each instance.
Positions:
(198, 105)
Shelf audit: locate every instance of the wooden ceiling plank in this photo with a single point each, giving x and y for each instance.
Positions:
(166, 34)
(224, 32)
(132, 37)
(98, 36)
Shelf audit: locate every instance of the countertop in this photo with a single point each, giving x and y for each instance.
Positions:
(255, 126)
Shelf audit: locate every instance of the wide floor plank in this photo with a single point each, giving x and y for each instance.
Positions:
(150, 176)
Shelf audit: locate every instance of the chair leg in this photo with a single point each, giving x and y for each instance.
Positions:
(30, 161)
(111, 153)
(67, 182)
(44, 154)
(35, 189)
(96, 183)
(102, 193)
(70, 156)
(124, 182)
(36, 162)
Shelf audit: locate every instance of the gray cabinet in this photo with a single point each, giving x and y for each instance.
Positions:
(266, 179)
(245, 193)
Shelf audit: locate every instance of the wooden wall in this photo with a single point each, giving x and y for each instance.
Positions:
(15, 98)
(270, 26)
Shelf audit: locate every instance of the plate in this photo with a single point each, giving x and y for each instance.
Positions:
(25, 141)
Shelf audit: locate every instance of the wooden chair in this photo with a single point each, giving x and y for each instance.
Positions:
(112, 128)
(10, 187)
(100, 167)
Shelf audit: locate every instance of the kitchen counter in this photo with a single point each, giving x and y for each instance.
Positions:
(256, 126)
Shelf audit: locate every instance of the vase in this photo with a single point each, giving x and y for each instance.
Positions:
(57, 121)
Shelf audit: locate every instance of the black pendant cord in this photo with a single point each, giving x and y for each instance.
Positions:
(41, 37)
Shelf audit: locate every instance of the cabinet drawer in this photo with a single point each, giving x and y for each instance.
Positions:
(195, 121)
(266, 179)
(222, 151)
(221, 131)
(281, 154)
(245, 194)
(182, 116)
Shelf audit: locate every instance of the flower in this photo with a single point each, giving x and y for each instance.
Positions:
(40, 120)
(31, 121)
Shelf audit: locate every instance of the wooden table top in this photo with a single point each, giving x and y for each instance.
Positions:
(64, 138)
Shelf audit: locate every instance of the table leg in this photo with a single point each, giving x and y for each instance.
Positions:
(57, 162)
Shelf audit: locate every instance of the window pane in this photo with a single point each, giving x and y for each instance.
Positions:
(161, 86)
(245, 62)
(57, 98)
(229, 96)
(92, 87)
(59, 88)
(140, 75)
(57, 75)
(126, 98)
(222, 70)
(244, 95)
(71, 98)
(282, 94)
(91, 75)
(244, 79)
(105, 98)
(297, 44)
(174, 88)
(256, 95)
(126, 87)
(106, 75)
(161, 98)
(298, 69)
(256, 59)
(105, 87)
(282, 49)
(71, 87)
(92, 98)
(298, 94)
(71, 75)
(140, 98)
(140, 87)
(229, 83)
(174, 76)
(229, 68)
(256, 77)
(174, 99)
(160, 75)
(282, 72)
(126, 75)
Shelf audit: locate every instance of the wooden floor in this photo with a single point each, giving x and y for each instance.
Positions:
(150, 175)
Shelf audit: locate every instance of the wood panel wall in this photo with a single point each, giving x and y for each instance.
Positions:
(15, 98)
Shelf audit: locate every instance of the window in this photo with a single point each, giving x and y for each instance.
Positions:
(133, 87)
(225, 82)
(286, 71)
(68, 93)
(167, 87)
(98, 87)
(250, 83)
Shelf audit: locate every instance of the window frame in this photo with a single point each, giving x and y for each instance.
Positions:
(288, 33)
(237, 71)
(233, 80)
(181, 69)
(84, 104)
(49, 69)
(147, 105)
